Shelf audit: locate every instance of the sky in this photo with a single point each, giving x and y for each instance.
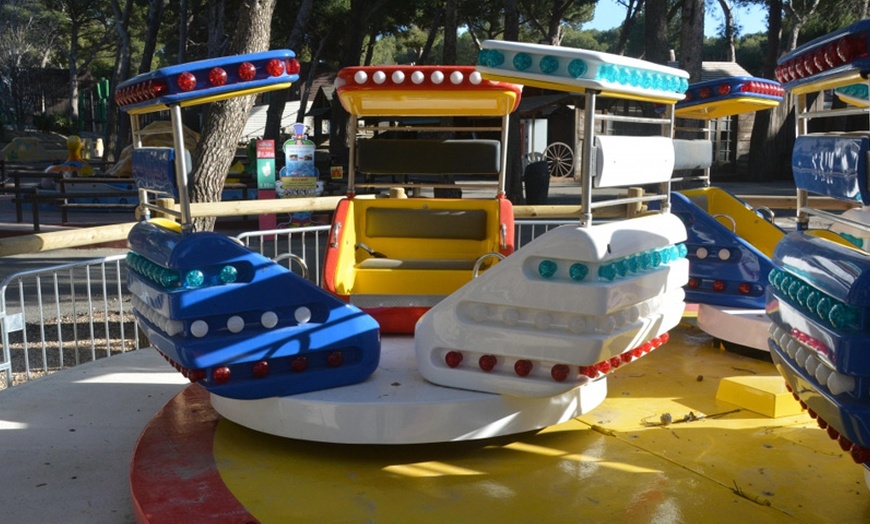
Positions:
(609, 14)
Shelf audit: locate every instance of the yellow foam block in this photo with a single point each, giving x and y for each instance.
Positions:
(762, 394)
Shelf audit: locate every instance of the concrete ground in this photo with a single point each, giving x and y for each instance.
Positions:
(66, 439)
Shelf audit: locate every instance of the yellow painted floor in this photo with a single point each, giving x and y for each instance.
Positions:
(715, 462)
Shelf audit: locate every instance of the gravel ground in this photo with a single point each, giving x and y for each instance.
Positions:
(79, 340)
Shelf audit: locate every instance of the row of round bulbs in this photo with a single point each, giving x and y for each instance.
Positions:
(819, 304)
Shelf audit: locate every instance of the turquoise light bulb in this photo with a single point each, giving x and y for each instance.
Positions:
(607, 271)
(522, 61)
(194, 278)
(169, 278)
(837, 315)
(823, 308)
(577, 68)
(578, 271)
(549, 64)
(622, 267)
(490, 57)
(547, 268)
(802, 295)
(812, 300)
(229, 274)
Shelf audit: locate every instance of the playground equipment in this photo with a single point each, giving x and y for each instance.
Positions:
(730, 244)
(232, 321)
(396, 257)
(74, 163)
(817, 299)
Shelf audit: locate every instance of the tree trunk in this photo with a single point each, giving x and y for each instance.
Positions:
(182, 31)
(73, 73)
(423, 55)
(278, 99)
(631, 10)
(224, 121)
(772, 134)
(309, 80)
(361, 11)
(120, 73)
(118, 136)
(217, 11)
(451, 26)
(728, 33)
(656, 31)
(514, 166)
(692, 38)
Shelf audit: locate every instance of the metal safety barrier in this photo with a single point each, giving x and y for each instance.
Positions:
(64, 315)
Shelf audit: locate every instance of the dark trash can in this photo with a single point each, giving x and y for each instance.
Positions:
(536, 179)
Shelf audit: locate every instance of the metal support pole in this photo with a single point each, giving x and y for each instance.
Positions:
(181, 169)
(351, 155)
(502, 175)
(586, 169)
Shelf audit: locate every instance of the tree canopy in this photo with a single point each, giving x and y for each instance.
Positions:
(91, 44)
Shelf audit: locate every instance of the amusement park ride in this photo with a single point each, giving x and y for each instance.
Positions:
(430, 326)
(729, 243)
(530, 339)
(817, 297)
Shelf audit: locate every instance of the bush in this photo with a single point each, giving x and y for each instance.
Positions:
(54, 123)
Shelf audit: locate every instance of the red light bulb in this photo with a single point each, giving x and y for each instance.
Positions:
(719, 286)
(335, 359)
(845, 444)
(453, 358)
(275, 67)
(293, 67)
(523, 368)
(589, 371)
(744, 288)
(705, 92)
(186, 81)
(559, 372)
(487, 362)
(221, 375)
(159, 88)
(723, 89)
(217, 77)
(299, 364)
(860, 454)
(261, 369)
(247, 71)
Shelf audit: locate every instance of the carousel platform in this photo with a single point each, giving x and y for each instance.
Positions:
(688, 433)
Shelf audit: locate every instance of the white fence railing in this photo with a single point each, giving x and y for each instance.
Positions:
(64, 315)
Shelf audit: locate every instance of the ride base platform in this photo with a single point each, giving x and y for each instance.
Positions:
(667, 444)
